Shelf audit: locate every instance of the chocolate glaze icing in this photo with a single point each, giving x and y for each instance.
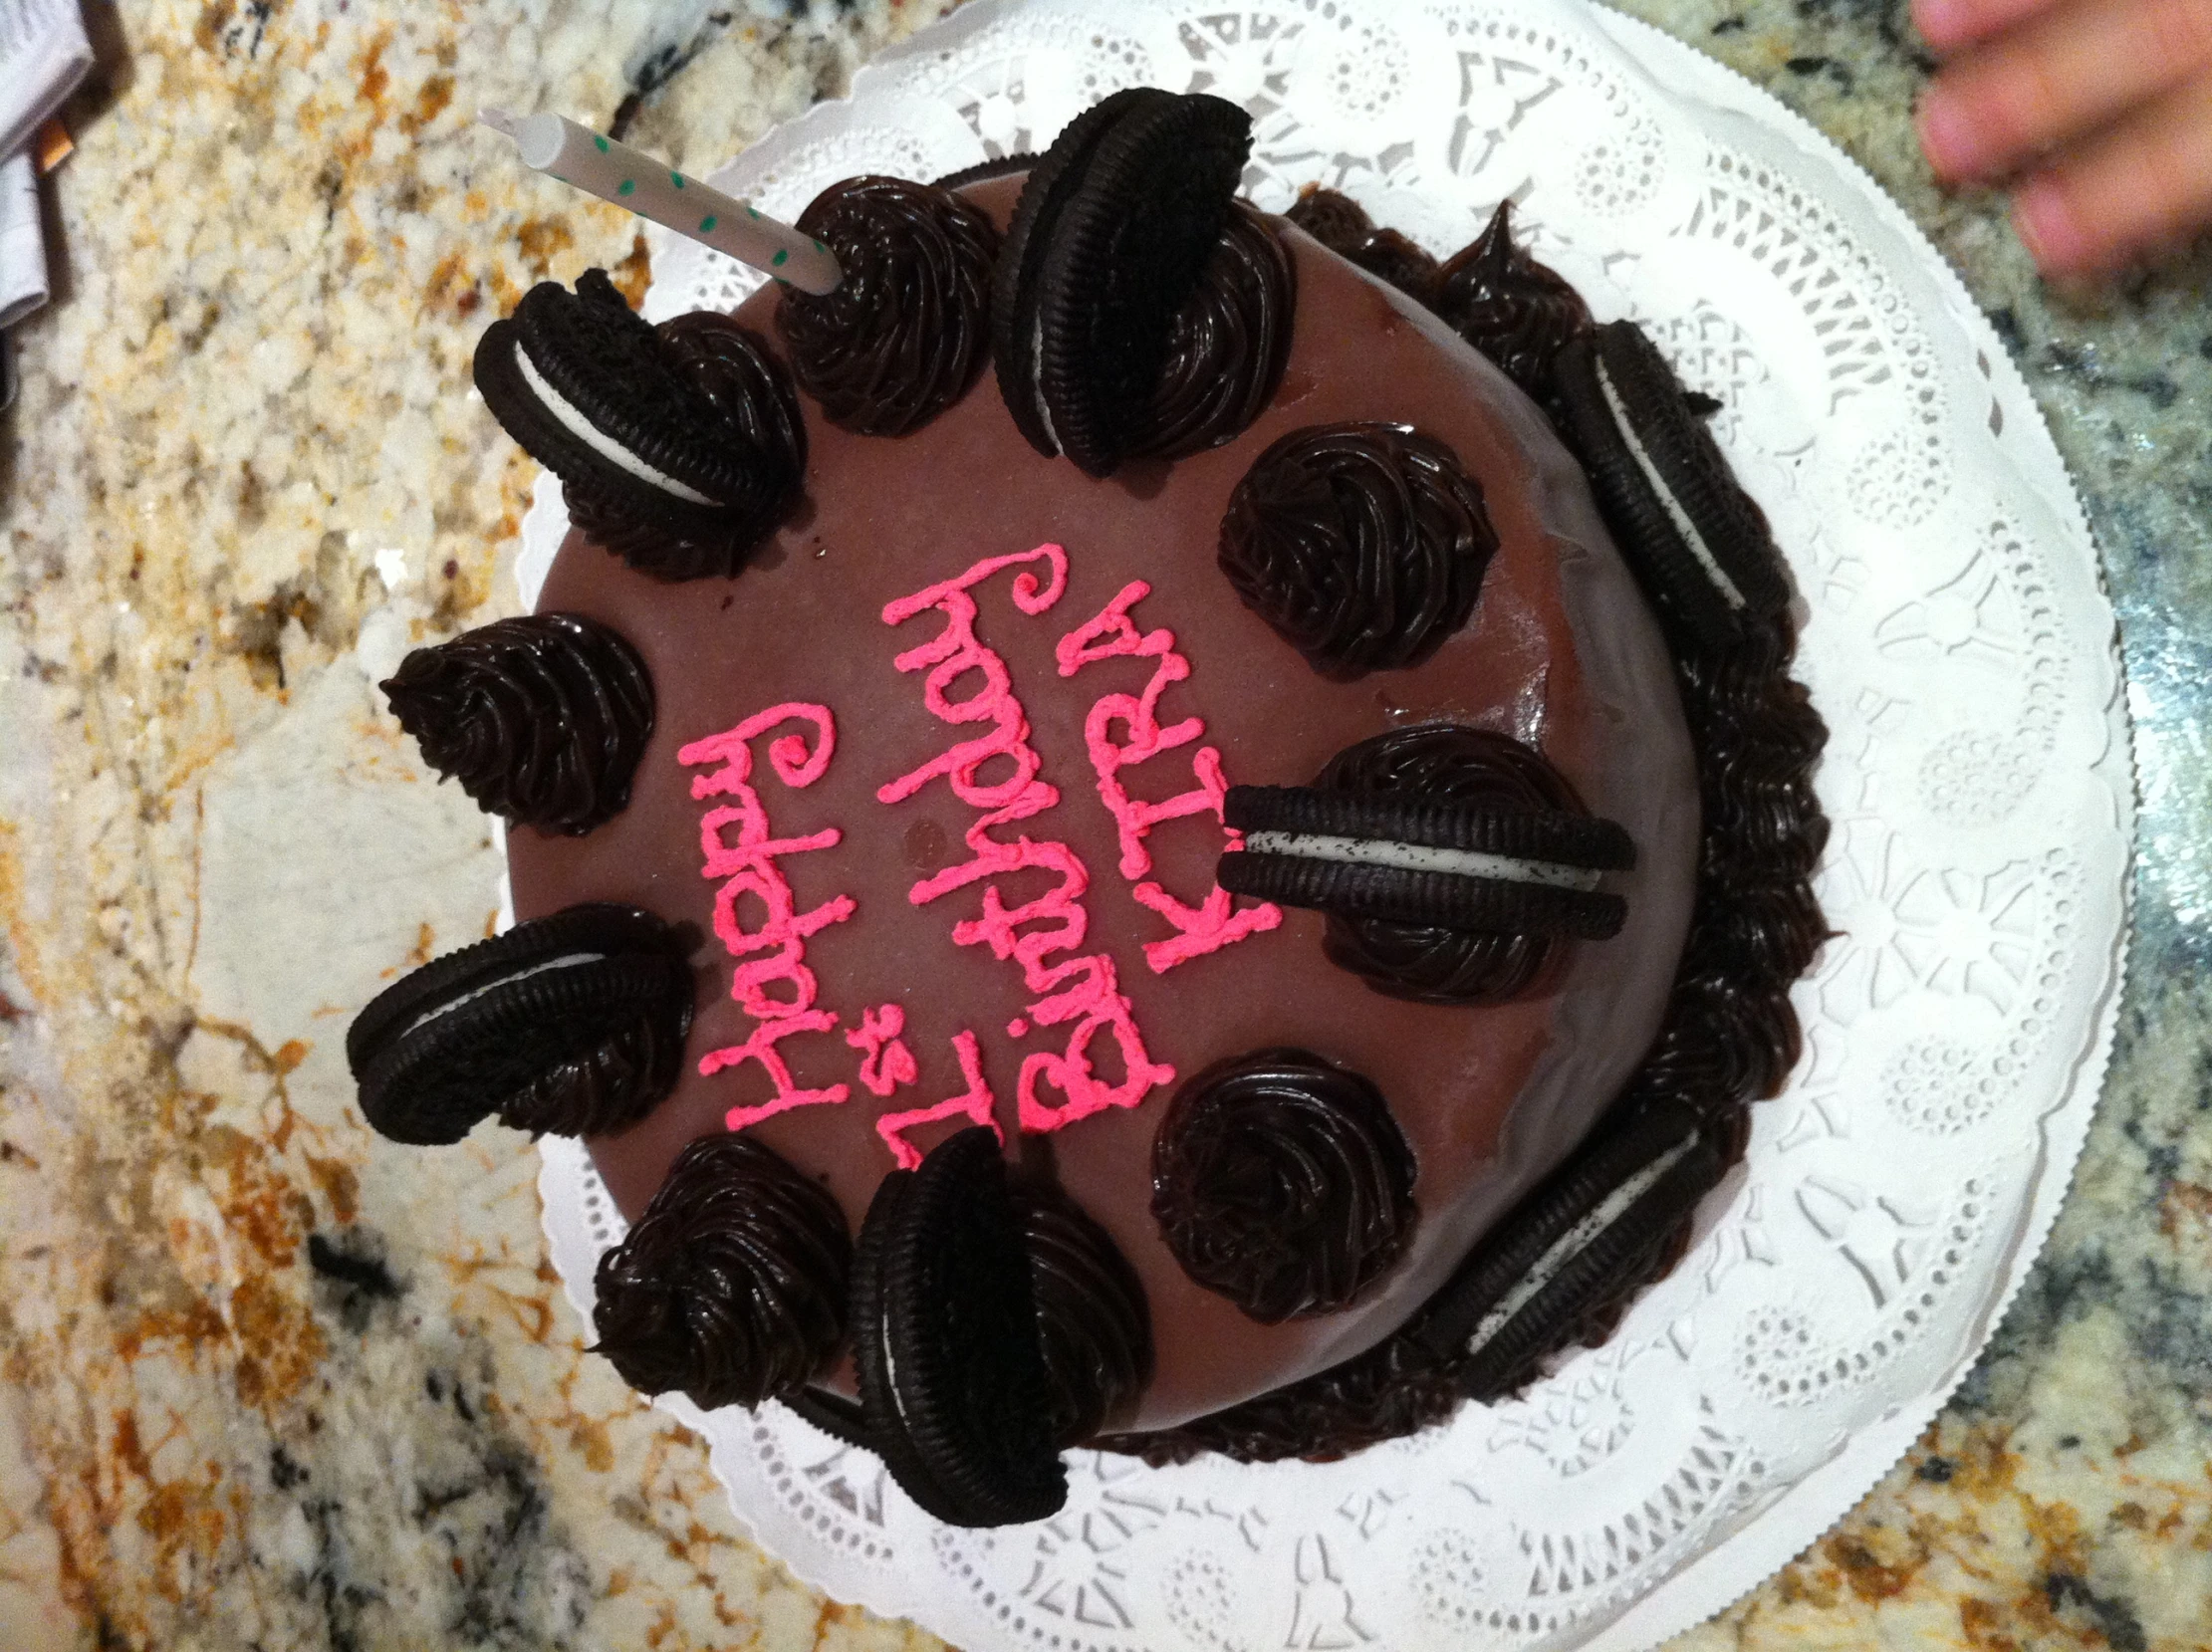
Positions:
(1560, 651)
(1282, 1182)
(732, 368)
(1729, 1039)
(1341, 224)
(732, 1286)
(1513, 309)
(542, 719)
(1362, 545)
(1428, 963)
(1231, 337)
(1091, 1316)
(908, 329)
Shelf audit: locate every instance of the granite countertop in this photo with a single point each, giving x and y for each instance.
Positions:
(271, 1383)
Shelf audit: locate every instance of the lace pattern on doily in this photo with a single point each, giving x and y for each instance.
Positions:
(1956, 640)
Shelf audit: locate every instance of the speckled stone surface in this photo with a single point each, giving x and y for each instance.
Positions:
(266, 1381)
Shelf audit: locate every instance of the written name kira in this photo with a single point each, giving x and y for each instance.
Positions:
(1042, 937)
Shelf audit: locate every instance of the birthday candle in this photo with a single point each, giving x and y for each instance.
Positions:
(617, 172)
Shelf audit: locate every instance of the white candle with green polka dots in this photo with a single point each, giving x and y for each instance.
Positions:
(617, 172)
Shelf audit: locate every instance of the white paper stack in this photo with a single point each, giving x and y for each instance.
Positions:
(22, 243)
(43, 55)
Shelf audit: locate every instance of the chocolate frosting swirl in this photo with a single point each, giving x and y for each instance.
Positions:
(1092, 1318)
(1446, 763)
(1513, 309)
(1282, 1182)
(616, 1082)
(1231, 338)
(1362, 545)
(732, 368)
(542, 719)
(908, 329)
(1341, 224)
(731, 1287)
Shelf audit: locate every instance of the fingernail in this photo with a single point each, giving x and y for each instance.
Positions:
(1947, 137)
(2048, 226)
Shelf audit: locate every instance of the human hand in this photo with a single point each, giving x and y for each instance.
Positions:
(2101, 108)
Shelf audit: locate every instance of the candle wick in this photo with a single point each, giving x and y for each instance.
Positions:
(499, 120)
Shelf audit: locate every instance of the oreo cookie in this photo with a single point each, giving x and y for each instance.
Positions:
(657, 464)
(1570, 1253)
(572, 1024)
(948, 1341)
(1697, 541)
(1112, 233)
(1484, 860)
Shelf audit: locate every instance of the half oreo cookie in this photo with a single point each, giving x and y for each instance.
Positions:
(946, 1339)
(1114, 231)
(1699, 542)
(572, 1024)
(1574, 1248)
(671, 477)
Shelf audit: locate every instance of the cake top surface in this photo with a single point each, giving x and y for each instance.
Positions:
(1083, 589)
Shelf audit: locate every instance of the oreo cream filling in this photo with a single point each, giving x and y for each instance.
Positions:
(1673, 507)
(1036, 383)
(1563, 1249)
(566, 961)
(1420, 857)
(598, 440)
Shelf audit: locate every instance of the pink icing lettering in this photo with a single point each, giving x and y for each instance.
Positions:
(749, 867)
(1113, 634)
(886, 1061)
(976, 1102)
(1084, 991)
(955, 654)
(795, 764)
(761, 1047)
(1200, 929)
(1094, 1004)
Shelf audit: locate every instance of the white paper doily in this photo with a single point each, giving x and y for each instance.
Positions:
(1959, 645)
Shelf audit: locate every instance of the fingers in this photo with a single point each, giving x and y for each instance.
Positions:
(1948, 25)
(2065, 71)
(2145, 182)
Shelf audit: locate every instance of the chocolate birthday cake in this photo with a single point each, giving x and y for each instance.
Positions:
(1148, 826)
